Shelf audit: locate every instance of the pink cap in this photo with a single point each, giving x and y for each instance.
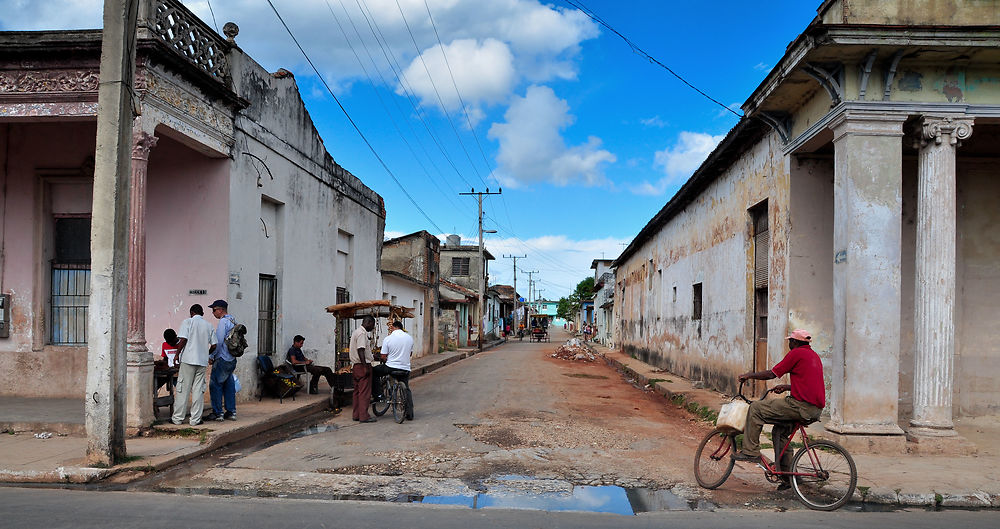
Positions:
(801, 335)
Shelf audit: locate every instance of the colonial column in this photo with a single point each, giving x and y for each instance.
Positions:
(140, 359)
(864, 375)
(934, 292)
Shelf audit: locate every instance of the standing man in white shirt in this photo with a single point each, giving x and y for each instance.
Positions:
(196, 340)
(396, 351)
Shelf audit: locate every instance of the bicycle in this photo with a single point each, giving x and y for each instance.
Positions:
(396, 395)
(823, 475)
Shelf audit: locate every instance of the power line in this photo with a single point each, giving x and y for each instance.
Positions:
(349, 118)
(444, 109)
(637, 50)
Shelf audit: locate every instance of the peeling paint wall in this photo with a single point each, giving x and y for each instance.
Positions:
(907, 12)
(708, 243)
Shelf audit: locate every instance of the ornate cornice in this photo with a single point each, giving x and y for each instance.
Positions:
(51, 81)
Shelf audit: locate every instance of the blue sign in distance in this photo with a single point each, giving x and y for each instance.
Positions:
(521, 300)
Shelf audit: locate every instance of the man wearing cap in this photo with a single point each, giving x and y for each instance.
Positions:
(807, 399)
(221, 386)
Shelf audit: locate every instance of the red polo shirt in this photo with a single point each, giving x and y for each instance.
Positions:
(806, 371)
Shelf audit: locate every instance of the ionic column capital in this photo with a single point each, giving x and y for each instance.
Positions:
(941, 128)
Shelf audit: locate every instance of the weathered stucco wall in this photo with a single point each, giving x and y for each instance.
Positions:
(55, 153)
(186, 223)
(326, 226)
(916, 12)
(977, 362)
(409, 294)
(709, 242)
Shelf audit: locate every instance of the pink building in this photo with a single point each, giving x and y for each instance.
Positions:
(234, 196)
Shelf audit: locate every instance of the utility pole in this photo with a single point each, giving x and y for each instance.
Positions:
(482, 259)
(515, 258)
(531, 286)
(538, 303)
(104, 405)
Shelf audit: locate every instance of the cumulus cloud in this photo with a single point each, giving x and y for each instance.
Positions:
(532, 148)
(679, 161)
(653, 122)
(483, 71)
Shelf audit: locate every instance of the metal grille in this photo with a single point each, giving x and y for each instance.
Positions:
(70, 296)
(266, 314)
(460, 266)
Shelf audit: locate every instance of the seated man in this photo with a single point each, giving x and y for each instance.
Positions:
(396, 351)
(804, 404)
(296, 358)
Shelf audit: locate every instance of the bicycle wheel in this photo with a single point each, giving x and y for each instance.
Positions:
(398, 402)
(713, 460)
(380, 406)
(824, 475)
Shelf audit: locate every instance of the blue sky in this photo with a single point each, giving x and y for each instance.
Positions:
(587, 138)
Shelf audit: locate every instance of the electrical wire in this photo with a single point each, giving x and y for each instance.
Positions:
(212, 11)
(349, 118)
(639, 51)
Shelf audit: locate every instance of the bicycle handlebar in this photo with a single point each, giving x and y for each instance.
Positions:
(742, 396)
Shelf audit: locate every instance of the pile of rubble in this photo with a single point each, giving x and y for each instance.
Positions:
(575, 350)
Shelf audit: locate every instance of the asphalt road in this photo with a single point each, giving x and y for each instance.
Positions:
(46, 508)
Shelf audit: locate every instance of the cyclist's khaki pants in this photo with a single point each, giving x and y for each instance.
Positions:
(769, 411)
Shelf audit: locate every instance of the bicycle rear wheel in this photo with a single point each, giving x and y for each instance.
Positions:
(381, 405)
(713, 460)
(824, 475)
(398, 402)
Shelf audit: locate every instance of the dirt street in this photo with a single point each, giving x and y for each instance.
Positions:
(514, 417)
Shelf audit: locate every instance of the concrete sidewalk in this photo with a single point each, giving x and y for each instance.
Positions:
(43, 440)
(905, 479)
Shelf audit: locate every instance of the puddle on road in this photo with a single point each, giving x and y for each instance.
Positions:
(605, 499)
(313, 430)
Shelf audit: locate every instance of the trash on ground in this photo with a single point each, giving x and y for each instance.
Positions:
(575, 350)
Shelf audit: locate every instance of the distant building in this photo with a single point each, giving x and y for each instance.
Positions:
(604, 299)
(462, 265)
(410, 274)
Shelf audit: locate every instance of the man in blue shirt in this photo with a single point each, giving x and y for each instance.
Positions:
(222, 386)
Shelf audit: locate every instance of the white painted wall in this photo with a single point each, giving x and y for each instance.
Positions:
(409, 294)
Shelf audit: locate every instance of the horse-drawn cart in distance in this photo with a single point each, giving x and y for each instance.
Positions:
(384, 312)
(539, 327)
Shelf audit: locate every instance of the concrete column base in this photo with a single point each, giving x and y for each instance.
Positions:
(929, 441)
(859, 443)
(139, 381)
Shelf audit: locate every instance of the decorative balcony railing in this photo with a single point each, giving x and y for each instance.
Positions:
(194, 40)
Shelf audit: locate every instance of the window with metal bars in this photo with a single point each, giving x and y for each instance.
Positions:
(761, 244)
(69, 292)
(267, 314)
(460, 266)
(343, 333)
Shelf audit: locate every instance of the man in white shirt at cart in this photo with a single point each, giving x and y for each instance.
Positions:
(396, 351)
(196, 340)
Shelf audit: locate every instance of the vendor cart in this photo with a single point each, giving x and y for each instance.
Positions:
(349, 316)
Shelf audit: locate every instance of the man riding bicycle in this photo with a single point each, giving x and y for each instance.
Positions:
(806, 402)
(396, 351)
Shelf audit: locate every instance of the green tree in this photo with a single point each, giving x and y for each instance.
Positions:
(569, 307)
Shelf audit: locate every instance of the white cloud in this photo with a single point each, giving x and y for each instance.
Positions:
(484, 73)
(680, 161)
(29, 15)
(532, 148)
(762, 66)
(654, 121)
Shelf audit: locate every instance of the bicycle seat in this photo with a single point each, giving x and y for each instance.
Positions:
(398, 373)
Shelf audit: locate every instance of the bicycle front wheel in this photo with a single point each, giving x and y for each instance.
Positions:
(399, 402)
(381, 405)
(824, 475)
(713, 462)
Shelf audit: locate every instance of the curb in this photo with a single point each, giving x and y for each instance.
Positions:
(213, 441)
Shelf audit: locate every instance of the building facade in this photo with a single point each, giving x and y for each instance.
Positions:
(856, 200)
(411, 271)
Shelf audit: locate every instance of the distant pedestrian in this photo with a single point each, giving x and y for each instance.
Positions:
(222, 386)
(361, 370)
(195, 342)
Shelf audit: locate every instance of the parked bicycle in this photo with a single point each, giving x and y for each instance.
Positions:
(822, 474)
(396, 395)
